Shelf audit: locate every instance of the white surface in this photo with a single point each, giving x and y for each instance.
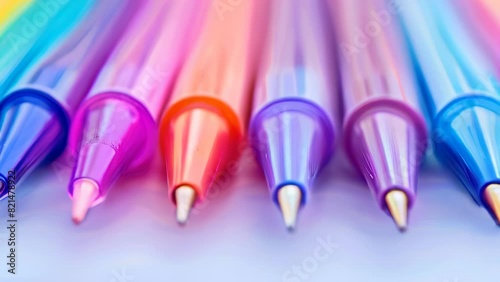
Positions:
(239, 235)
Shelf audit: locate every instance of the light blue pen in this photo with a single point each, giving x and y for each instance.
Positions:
(462, 96)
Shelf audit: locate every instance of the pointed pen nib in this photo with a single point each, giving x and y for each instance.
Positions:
(85, 193)
(289, 199)
(397, 202)
(492, 196)
(184, 197)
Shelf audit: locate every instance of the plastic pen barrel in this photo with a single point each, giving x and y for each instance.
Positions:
(385, 132)
(462, 95)
(10, 9)
(115, 130)
(42, 25)
(206, 119)
(292, 125)
(35, 117)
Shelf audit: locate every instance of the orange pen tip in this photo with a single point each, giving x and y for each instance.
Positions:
(85, 192)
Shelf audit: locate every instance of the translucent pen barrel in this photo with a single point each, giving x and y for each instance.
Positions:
(36, 115)
(296, 100)
(384, 130)
(462, 94)
(61, 72)
(140, 66)
(493, 6)
(42, 25)
(374, 64)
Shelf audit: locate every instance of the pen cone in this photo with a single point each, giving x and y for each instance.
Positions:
(387, 149)
(197, 144)
(32, 131)
(292, 142)
(467, 142)
(111, 134)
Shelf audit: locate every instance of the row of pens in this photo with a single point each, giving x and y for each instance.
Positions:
(115, 82)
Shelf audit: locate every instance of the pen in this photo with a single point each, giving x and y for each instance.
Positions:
(35, 116)
(28, 37)
(115, 130)
(385, 132)
(462, 97)
(206, 118)
(10, 9)
(292, 127)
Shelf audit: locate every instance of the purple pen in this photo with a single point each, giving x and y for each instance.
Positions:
(385, 132)
(36, 115)
(292, 126)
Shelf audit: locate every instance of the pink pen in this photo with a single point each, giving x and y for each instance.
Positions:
(385, 133)
(115, 130)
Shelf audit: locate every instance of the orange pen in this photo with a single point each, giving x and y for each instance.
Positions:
(207, 115)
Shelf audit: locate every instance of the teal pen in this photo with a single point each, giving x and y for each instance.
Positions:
(462, 96)
(32, 34)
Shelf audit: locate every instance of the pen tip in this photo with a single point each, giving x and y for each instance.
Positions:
(397, 202)
(289, 199)
(85, 192)
(492, 196)
(184, 197)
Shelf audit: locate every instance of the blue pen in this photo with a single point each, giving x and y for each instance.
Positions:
(462, 97)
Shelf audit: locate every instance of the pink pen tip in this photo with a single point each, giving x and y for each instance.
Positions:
(85, 192)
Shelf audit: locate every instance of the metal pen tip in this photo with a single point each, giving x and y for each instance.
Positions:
(184, 197)
(85, 192)
(492, 197)
(289, 199)
(397, 202)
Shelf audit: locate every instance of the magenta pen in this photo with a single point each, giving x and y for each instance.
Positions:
(115, 130)
(292, 125)
(35, 116)
(385, 132)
